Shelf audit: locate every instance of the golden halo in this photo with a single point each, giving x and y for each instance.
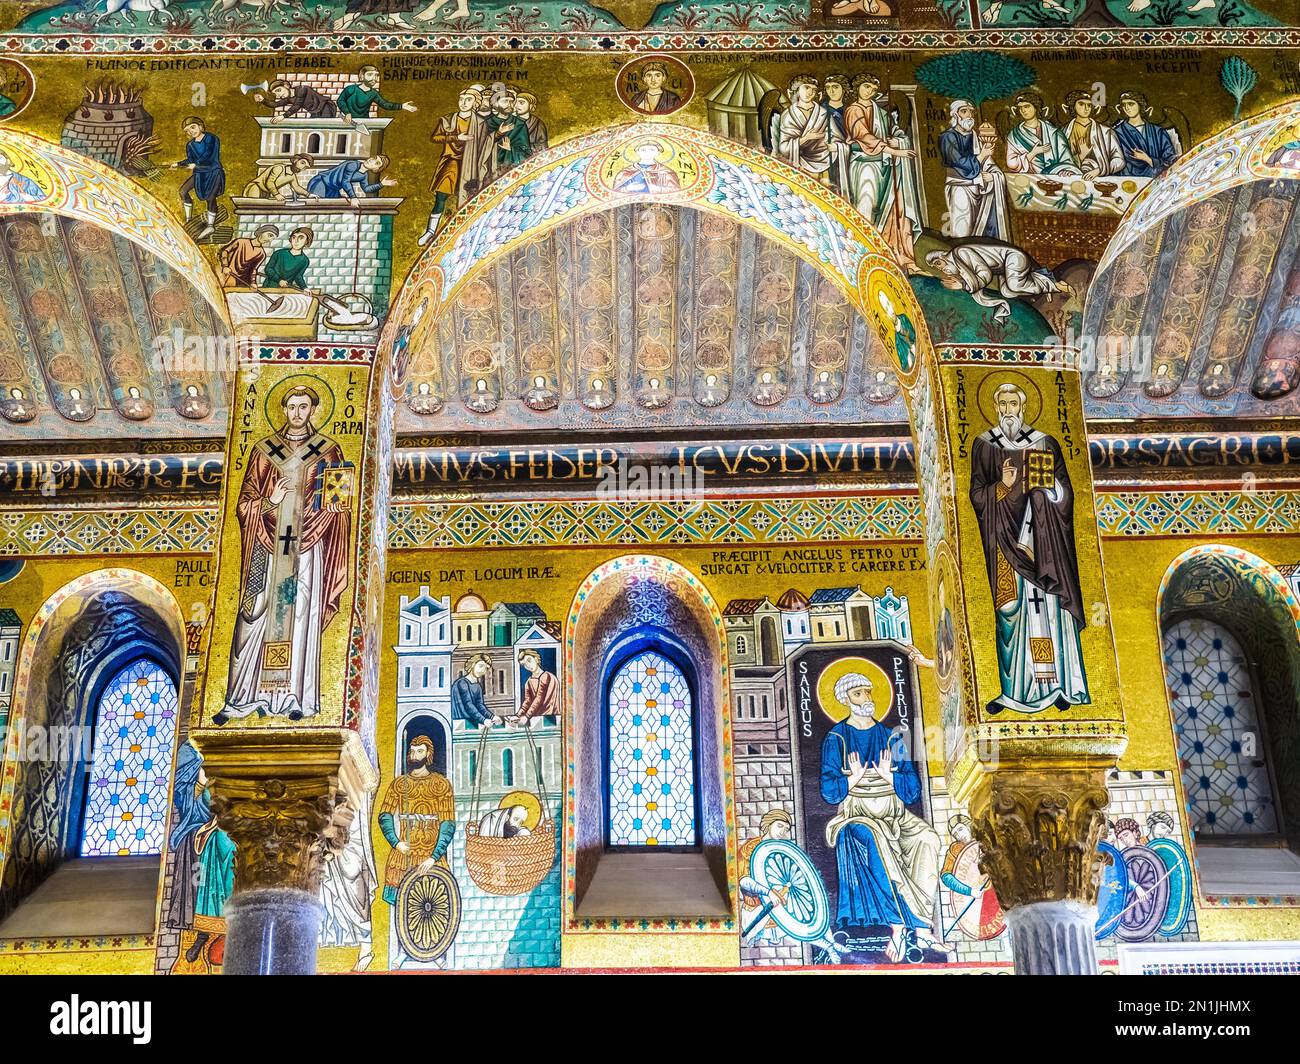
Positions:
(628, 153)
(990, 384)
(322, 414)
(529, 801)
(882, 690)
(25, 161)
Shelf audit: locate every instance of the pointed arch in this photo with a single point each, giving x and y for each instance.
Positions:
(69, 184)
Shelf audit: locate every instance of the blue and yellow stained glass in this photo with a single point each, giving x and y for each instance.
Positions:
(651, 755)
(126, 794)
(1216, 722)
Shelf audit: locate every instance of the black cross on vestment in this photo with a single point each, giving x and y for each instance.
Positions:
(277, 451)
(1038, 602)
(316, 448)
(287, 540)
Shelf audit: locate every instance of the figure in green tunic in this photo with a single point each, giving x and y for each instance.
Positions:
(355, 100)
(287, 267)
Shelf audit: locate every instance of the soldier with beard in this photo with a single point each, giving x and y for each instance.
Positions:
(417, 817)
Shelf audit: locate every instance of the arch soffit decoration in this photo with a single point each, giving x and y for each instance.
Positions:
(594, 596)
(1242, 154)
(85, 190)
(49, 622)
(693, 169)
(1242, 563)
(711, 174)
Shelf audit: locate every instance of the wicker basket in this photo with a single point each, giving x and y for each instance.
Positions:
(509, 866)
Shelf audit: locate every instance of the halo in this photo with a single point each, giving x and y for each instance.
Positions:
(22, 99)
(666, 149)
(675, 65)
(990, 384)
(324, 412)
(529, 801)
(880, 684)
(27, 162)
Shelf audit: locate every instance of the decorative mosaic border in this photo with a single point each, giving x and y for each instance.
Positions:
(550, 523)
(76, 944)
(650, 40)
(1125, 514)
(1248, 900)
(360, 354)
(138, 531)
(983, 354)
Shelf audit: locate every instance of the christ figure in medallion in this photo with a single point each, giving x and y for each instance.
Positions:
(1024, 505)
(295, 525)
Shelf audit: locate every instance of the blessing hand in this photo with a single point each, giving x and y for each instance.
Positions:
(885, 765)
(1009, 472)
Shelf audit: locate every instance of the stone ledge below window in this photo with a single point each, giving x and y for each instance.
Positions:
(90, 896)
(655, 885)
(1248, 871)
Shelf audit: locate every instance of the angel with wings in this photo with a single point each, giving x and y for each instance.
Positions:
(1149, 147)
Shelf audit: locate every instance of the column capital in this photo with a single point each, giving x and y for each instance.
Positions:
(1038, 825)
(284, 797)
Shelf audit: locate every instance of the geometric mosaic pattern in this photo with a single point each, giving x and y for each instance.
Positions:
(137, 531)
(651, 755)
(552, 523)
(1216, 722)
(1184, 513)
(126, 794)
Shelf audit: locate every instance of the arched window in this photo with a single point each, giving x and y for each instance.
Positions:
(126, 789)
(508, 767)
(649, 710)
(1217, 723)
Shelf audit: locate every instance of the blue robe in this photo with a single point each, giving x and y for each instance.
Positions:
(467, 700)
(339, 182)
(209, 175)
(1152, 139)
(867, 898)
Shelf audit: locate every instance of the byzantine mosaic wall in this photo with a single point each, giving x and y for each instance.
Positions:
(313, 179)
(480, 631)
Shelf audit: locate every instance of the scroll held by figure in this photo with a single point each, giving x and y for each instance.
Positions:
(1024, 505)
(295, 526)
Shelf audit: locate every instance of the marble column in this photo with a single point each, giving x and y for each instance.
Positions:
(1038, 826)
(282, 797)
(286, 721)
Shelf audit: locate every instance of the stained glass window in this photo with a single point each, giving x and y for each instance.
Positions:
(126, 792)
(651, 754)
(1216, 721)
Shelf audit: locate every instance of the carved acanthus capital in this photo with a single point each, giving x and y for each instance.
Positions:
(278, 827)
(282, 798)
(1038, 827)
